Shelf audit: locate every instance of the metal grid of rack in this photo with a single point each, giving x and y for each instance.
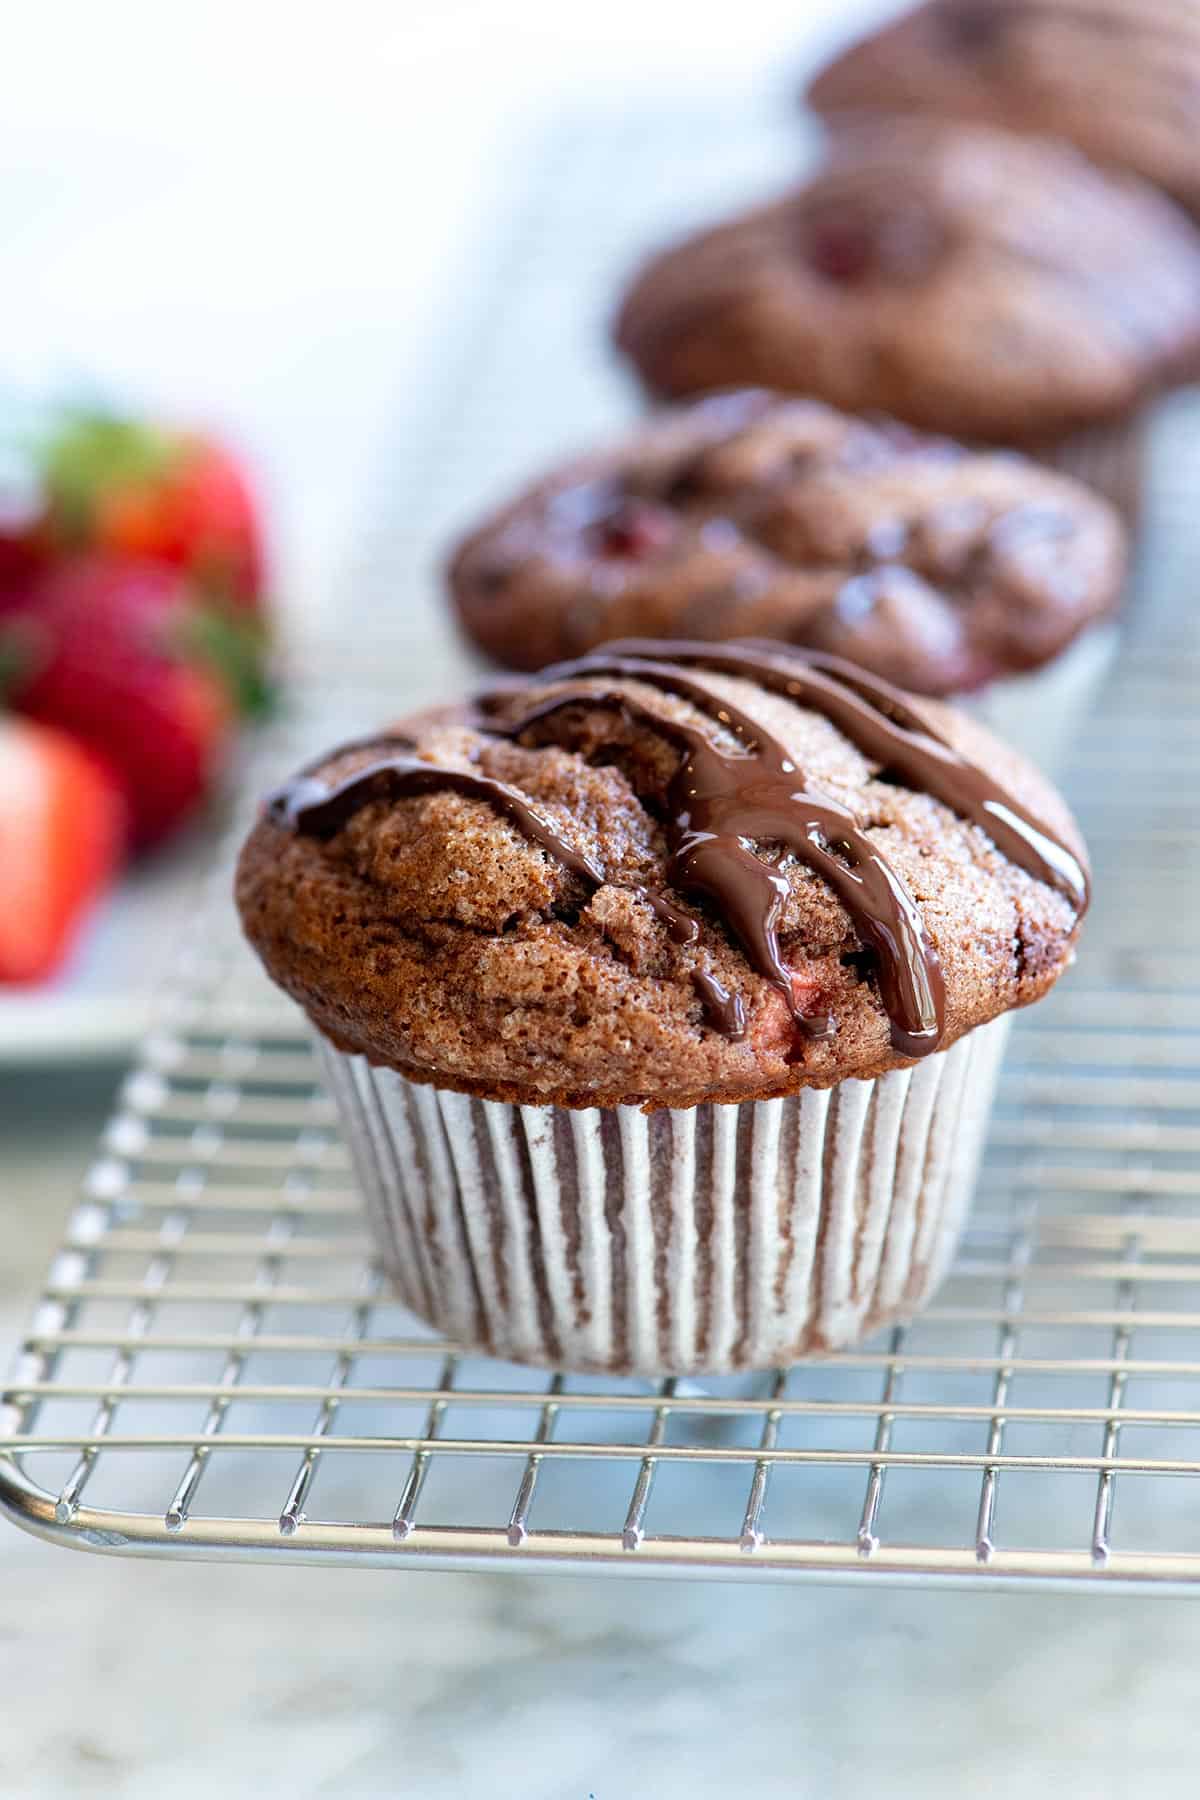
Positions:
(215, 1369)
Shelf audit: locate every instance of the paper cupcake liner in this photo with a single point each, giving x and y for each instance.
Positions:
(1109, 458)
(1041, 713)
(677, 1242)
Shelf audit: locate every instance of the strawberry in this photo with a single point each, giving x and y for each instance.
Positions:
(62, 820)
(106, 650)
(21, 564)
(23, 544)
(807, 1005)
(148, 491)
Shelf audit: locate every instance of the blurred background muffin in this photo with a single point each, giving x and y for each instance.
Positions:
(1119, 78)
(951, 572)
(966, 280)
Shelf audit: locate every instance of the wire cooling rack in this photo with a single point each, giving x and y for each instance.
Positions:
(215, 1368)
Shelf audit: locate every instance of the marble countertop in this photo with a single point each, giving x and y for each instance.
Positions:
(177, 1682)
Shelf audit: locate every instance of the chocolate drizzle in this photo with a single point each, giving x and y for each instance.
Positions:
(719, 800)
(723, 803)
(309, 805)
(878, 719)
(725, 1010)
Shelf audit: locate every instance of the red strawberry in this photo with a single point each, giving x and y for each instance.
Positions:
(105, 650)
(21, 559)
(62, 820)
(807, 1005)
(23, 538)
(141, 490)
(633, 529)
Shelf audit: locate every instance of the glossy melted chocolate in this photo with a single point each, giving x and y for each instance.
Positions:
(310, 806)
(722, 802)
(878, 719)
(719, 800)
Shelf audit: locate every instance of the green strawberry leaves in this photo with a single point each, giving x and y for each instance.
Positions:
(91, 451)
(234, 646)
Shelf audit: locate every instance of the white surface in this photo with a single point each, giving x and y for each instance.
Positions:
(251, 213)
(189, 1682)
(102, 1000)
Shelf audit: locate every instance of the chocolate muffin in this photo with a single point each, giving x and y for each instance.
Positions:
(962, 279)
(1119, 78)
(749, 514)
(662, 994)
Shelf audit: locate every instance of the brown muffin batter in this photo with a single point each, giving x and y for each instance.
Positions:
(747, 514)
(962, 279)
(1119, 78)
(430, 931)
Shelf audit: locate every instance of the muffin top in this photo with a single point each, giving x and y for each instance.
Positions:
(1120, 78)
(746, 514)
(661, 875)
(961, 278)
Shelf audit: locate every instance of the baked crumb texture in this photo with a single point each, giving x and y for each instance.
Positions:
(431, 935)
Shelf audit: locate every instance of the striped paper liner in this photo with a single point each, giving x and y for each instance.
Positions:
(1040, 713)
(676, 1242)
(1109, 458)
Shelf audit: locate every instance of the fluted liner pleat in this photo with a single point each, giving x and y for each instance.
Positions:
(1041, 711)
(674, 1242)
(1110, 458)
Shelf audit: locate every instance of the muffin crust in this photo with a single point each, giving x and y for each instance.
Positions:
(432, 935)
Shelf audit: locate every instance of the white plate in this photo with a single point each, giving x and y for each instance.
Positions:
(103, 1000)
(99, 1004)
